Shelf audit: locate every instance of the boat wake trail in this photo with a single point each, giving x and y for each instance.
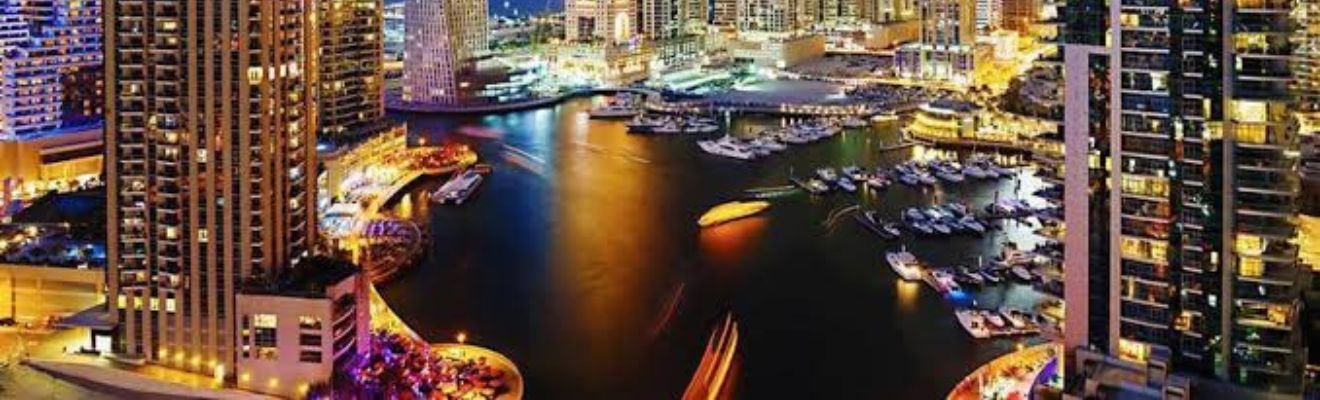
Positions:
(839, 213)
(667, 313)
(524, 160)
(598, 149)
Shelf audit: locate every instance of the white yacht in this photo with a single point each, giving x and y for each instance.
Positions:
(725, 148)
(905, 265)
(457, 189)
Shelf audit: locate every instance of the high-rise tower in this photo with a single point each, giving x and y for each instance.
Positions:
(352, 74)
(210, 167)
(443, 40)
(50, 66)
(1192, 149)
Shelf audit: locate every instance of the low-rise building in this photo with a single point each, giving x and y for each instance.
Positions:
(777, 51)
(597, 63)
(295, 330)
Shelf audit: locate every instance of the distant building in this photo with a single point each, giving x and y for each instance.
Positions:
(50, 66)
(675, 28)
(444, 40)
(947, 50)
(296, 329)
(605, 43)
(608, 22)
(33, 166)
(351, 97)
(989, 15)
(773, 33)
(1020, 15)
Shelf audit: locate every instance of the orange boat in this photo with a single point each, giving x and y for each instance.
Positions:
(731, 211)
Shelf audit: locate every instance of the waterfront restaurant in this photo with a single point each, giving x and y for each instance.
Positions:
(945, 121)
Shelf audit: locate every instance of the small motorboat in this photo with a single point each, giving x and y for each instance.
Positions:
(941, 227)
(904, 264)
(971, 224)
(909, 179)
(1022, 273)
(827, 174)
(921, 226)
(971, 277)
(877, 182)
(731, 211)
(846, 184)
(892, 230)
(855, 173)
(913, 214)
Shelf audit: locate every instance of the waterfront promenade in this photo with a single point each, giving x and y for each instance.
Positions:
(763, 104)
(1013, 375)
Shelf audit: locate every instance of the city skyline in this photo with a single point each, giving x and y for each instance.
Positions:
(696, 199)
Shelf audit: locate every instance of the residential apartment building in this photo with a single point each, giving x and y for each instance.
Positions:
(50, 66)
(210, 168)
(1181, 183)
(443, 41)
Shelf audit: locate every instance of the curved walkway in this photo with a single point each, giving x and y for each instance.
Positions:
(1010, 375)
(655, 103)
(383, 318)
(493, 358)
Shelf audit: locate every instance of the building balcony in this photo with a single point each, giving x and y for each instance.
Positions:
(1263, 6)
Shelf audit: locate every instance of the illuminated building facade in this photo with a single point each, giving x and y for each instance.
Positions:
(50, 66)
(947, 49)
(989, 15)
(350, 100)
(675, 29)
(297, 329)
(210, 168)
(770, 16)
(1020, 15)
(1182, 154)
(607, 22)
(444, 39)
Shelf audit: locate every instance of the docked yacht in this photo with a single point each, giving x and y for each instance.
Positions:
(975, 171)
(846, 184)
(670, 127)
(905, 265)
(943, 281)
(913, 214)
(971, 277)
(644, 124)
(827, 174)
(1022, 273)
(922, 227)
(726, 148)
(972, 224)
(854, 123)
(870, 219)
(877, 182)
(941, 227)
(926, 179)
(857, 174)
(623, 106)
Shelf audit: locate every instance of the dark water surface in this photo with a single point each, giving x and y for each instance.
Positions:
(571, 257)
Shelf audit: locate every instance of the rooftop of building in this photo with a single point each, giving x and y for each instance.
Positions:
(307, 279)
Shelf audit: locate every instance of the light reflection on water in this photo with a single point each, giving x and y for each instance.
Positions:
(568, 259)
